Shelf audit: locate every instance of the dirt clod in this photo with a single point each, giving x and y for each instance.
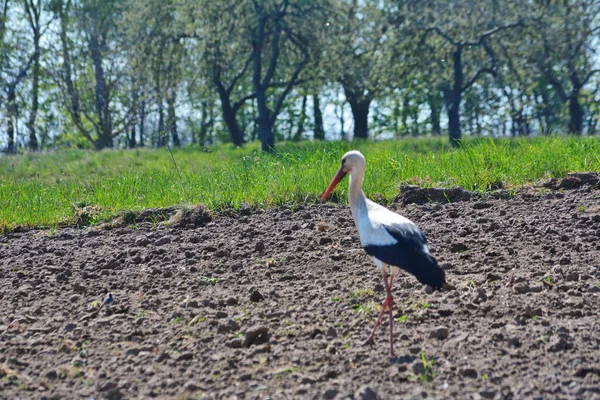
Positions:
(256, 334)
(439, 332)
(365, 393)
(256, 296)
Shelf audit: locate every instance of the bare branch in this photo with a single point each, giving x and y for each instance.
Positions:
(275, 37)
(294, 80)
(493, 31)
(443, 35)
(589, 75)
(556, 84)
(477, 75)
(238, 104)
(239, 75)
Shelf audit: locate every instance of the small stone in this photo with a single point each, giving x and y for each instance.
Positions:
(493, 277)
(331, 332)
(259, 246)
(331, 349)
(256, 296)
(70, 327)
(222, 253)
(531, 312)
(365, 393)
(325, 240)
(457, 247)
(162, 241)
(191, 386)
(221, 314)
(236, 343)
(440, 332)
(564, 260)
(162, 357)
(232, 301)
(74, 298)
(558, 343)
(453, 214)
(245, 377)
(256, 333)
(330, 393)
(418, 367)
(134, 351)
(51, 375)
(469, 373)
(572, 277)
(522, 287)
(79, 288)
(142, 241)
(185, 357)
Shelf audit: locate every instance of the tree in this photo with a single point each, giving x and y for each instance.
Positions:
(33, 9)
(566, 34)
(15, 66)
(463, 29)
(88, 82)
(360, 56)
(279, 38)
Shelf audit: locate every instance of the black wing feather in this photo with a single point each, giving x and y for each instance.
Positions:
(410, 254)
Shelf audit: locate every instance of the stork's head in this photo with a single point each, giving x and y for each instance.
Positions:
(352, 162)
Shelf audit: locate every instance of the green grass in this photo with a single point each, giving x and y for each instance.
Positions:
(51, 189)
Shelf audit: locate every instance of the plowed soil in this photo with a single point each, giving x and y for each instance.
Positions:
(276, 304)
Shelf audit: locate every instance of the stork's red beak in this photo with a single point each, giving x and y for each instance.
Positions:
(334, 182)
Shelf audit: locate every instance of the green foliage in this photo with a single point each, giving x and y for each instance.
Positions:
(428, 373)
(40, 189)
(402, 319)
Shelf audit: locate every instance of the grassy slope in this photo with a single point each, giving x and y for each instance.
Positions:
(43, 189)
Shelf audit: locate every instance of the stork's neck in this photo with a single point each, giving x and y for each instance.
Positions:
(356, 195)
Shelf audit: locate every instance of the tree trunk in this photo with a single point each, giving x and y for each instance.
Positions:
(456, 97)
(434, 117)
(10, 122)
(203, 125)
(161, 140)
(131, 143)
(575, 114)
(172, 119)
(265, 125)
(360, 113)
(142, 126)
(229, 115)
(33, 12)
(105, 138)
(404, 116)
(67, 72)
(319, 131)
(300, 128)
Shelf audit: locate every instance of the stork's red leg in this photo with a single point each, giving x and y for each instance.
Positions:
(371, 339)
(388, 303)
(390, 306)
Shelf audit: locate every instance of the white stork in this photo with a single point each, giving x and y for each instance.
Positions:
(392, 240)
